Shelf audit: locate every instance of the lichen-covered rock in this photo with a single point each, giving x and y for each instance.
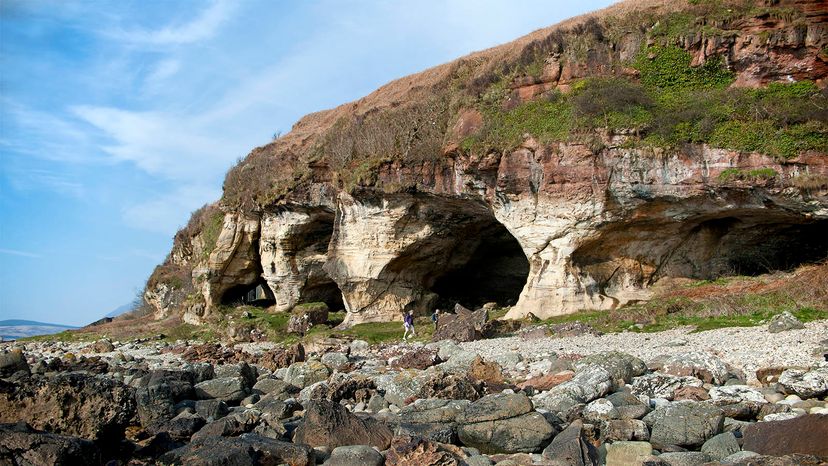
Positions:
(702, 365)
(806, 384)
(330, 424)
(621, 366)
(355, 455)
(503, 423)
(571, 447)
(784, 321)
(229, 389)
(721, 446)
(304, 374)
(659, 385)
(684, 423)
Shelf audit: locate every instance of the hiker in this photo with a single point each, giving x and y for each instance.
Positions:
(408, 325)
(435, 317)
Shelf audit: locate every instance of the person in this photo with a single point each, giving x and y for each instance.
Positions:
(408, 325)
(435, 317)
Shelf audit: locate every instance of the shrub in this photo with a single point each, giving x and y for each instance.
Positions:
(735, 174)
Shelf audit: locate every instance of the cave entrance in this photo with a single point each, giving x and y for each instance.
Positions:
(491, 268)
(257, 294)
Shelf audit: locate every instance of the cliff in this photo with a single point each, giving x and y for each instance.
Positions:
(573, 168)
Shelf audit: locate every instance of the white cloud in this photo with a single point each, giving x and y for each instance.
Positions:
(15, 252)
(167, 212)
(33, 178)
(203, 27)
(162, 71)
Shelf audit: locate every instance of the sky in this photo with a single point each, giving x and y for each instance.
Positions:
(119, 118)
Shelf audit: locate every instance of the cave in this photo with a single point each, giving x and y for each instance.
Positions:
(494, 269)
(467, 257)
(747, 242)
(256, 294)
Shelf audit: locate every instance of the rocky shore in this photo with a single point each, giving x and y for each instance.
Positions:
(566, 397)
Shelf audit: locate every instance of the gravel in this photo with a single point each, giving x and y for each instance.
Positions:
(746, 348)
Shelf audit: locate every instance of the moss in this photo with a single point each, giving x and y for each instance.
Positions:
(669, 67)
(735, 174)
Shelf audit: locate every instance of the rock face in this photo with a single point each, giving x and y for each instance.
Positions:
(23, 445)
(805, 435)
(329, 424)
(547, 228)
(503, 423)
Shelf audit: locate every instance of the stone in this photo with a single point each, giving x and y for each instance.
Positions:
(359, 348)
(13, 361)
(571, 447)
(330, 424)
(24, 446)
(413, 451)
(736, 394)
(103, 346)
(783, 322)
(247, 449)
(304, 374)
(685, 458)
(702, 365)
(282, 356)
(588, 383)
(229, 426)
(546, 382)
(211, 409)
(355, 455)
(463, 325)
(418, 358)
(660, 385)
(154, 404)
(524, 433)
(271, 386)
(453, 387)
(624, 429)
(493, 407)
(621, 366)
(182, 427)
(684, 423)
(599, 410)
(806, 384)
(628, 453)
(739, 457)
(76, 404)
(228, 389)
(489, 373)
(246, 372)
(424, 411)
(721, 446)
(304, 316)
(335, 361)
(805, 435)
(377, 403)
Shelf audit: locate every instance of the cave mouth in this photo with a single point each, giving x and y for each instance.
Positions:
(488, 265)
(255, 294)
(780, 247)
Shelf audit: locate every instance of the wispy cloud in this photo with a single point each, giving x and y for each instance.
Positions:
(32, 178)
(15, 252)
(204, 26)
(169, 211)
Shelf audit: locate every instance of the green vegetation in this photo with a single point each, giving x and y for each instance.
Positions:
(735, 174)
(210, 232)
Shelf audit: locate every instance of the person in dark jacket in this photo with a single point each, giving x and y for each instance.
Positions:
(408, 325)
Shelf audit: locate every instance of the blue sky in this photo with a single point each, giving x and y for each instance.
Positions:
(118, 118)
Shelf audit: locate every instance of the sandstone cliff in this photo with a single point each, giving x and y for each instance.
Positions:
(571, 169)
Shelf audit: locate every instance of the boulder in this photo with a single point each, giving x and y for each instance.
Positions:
(503, 423)
(282, 357)
(182, 427)
(154, 404)
(211, 409)
(805, 435)
(450, 387)
(599, 410)
(494, 407)
(628, 453)
(489, 373)
(413, 451)
(702, 365)
(103, 346)
(248, 449)
(588, 383)
(228, 389)
(463, 325)
(546, 382)
(229, 426)
(271, 386)
(13, 361)
(330, 424)
(304, 374)
(783, 322)
(571, 448)
(245, 371)
(621, 366)
(75, 404)
(684, 423)
(624, 429)
(417, 358)
(425, 411)
(355, 455)
(730, 394)
(398, 387)
(660, 385)
(805, 384)
(685, 458)
(335, 361)
(180, 382)
(691, 394)
(23, 445)
(721, 446)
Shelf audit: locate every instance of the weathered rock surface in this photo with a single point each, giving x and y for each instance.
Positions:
(23, 445)
(330, 424)
(685, 423)
(805, 435)
(248, 449)
(503, 423)
(784, 321)
(571, 447)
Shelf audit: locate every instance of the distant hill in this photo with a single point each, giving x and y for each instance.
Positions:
(12, 329)
(120, 310)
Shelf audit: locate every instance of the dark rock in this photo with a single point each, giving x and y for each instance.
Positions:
(75, 404)
(102, 346)
(13, 361)
(438, 432)
(228, 426)
(245, 371)
(248, 449)
(211, 410)
(227, 389)
(357, 388)
(414, 451)
(686, 423)
(330, 424)
(805, 434)
(721, 446)
(418, 358)
(787, 460)
(154, 404)
(571, 447)
(22, 445)
(183, 426)
(503, 423)
(180, 383)
(271, 386)
(463, 325)
(493, 407)
(450, 387)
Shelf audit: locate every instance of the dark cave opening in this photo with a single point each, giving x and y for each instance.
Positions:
(256, 294)
(313, 239)
(779, 247)
(488, 266)
(324, 291)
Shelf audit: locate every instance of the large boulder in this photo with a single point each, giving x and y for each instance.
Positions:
(304, 316)
(399, 387)
(13, 361)
(417, 358)
(628, 453)
(355, 455)
(327, 423)
(73, 404)
(571, 448)
(588, 383)
(229, 389)
(304, 374)
(621, 366)
(451, 387)
(463, 325)
(23, 445)
(805, 434)
(783, 322)
(659, 385)
(503, 423)
(414, 451)
(702, 365)
(431, 418)
(684, 423)
(806, 384)
(155, 405)
(721, 446)
(246, 450)
(282, 357)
